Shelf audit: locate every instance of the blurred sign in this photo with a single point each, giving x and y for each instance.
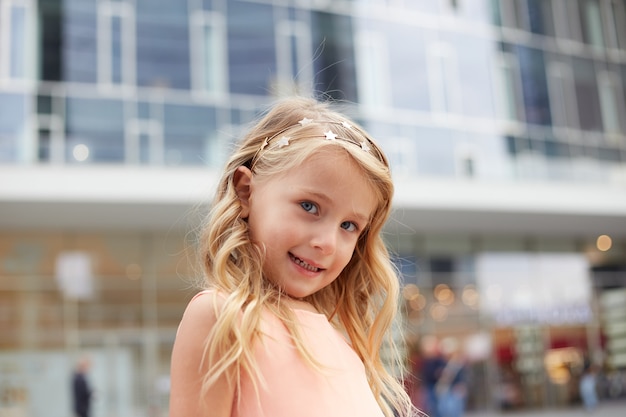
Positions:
(526, 288)
(74, 275)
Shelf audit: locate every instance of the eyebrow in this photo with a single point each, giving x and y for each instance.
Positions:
(359, 216)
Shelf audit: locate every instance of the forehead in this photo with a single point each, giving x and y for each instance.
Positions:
(334, 175)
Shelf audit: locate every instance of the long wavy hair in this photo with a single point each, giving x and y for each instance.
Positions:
(361, 302)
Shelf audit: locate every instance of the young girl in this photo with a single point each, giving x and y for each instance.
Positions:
(300, 291)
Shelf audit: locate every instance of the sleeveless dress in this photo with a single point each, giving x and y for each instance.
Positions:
(292, 388)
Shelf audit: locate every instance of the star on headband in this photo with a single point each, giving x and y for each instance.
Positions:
(284, 141)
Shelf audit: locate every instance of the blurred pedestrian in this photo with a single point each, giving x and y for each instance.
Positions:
(451, 387)
(587, 387)
(81, 389)
(432, 367)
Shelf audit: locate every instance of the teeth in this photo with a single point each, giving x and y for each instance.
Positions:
(304, 264)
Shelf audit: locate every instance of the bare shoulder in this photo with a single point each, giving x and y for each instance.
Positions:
(204, 306)
(188, 366)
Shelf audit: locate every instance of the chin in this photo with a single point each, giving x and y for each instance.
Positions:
(297, 294)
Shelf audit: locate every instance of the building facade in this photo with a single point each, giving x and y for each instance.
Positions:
(504, 122)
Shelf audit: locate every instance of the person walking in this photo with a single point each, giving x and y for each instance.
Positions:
(81, 389)
(433, 364)
(451, 387)
(587, 387)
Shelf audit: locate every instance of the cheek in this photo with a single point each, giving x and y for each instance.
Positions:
(346, 255)
(257, 222)
(269, 233)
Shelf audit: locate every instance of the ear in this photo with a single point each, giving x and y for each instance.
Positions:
(241, 180)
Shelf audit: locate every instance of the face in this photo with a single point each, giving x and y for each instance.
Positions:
(308, 219)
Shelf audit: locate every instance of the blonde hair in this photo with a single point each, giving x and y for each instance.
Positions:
(362, 300)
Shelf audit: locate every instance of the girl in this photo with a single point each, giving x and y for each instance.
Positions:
(300, 289)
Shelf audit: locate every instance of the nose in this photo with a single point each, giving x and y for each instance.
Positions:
(325, 238)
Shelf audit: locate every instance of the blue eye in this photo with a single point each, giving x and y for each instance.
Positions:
(309, 207)
(349, 226)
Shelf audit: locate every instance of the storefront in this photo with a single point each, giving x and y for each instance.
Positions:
(530, 321)
(116, 297)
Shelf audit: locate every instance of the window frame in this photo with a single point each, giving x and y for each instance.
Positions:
(293, 36)
(199, 22)
(29, 34)
(107, 10)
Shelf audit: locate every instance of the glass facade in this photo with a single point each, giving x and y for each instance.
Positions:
(514, 92)
(537, 76)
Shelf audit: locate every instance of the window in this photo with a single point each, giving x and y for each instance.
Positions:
(208, 52)
(465, 157)
(189, 133)
(534, 85)
(16, 30)
(50, 40)
(540, 17)
(508, 88)
(374, 79)
(441, 264)
(116, 43)
(615, 11)
(144, 142)
(611, 102)
(80, 41)
(50, 139)
(402, 155)
(566, 19)
(293, 55)
(435, 156)
(563, 106)
(514, 14)
(94, 130)
(587, 95)
(591, 22)
(14, 127)
(251, 47)
(334, 65)
(164, 44)
(443, 75)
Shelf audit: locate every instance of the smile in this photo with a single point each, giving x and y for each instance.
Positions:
(303, 264)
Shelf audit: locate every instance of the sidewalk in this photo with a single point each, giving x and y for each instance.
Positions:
(608, 408)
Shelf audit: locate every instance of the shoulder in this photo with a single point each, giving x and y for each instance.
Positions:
(198, 319)
(188, 365)
(205, 305)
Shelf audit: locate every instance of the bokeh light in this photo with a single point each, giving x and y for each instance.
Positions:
(439, 312)
(444, 294)
(410, 291)
(604, 243)
(80, 152)
(470, 296)
(418, 303)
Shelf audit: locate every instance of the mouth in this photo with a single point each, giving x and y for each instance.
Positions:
(303, 264)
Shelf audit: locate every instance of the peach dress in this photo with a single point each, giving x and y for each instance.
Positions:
(292, 388)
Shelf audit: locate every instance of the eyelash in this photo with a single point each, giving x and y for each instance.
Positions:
(308, 207)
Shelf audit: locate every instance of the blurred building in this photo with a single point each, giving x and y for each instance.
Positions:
(505, 122)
